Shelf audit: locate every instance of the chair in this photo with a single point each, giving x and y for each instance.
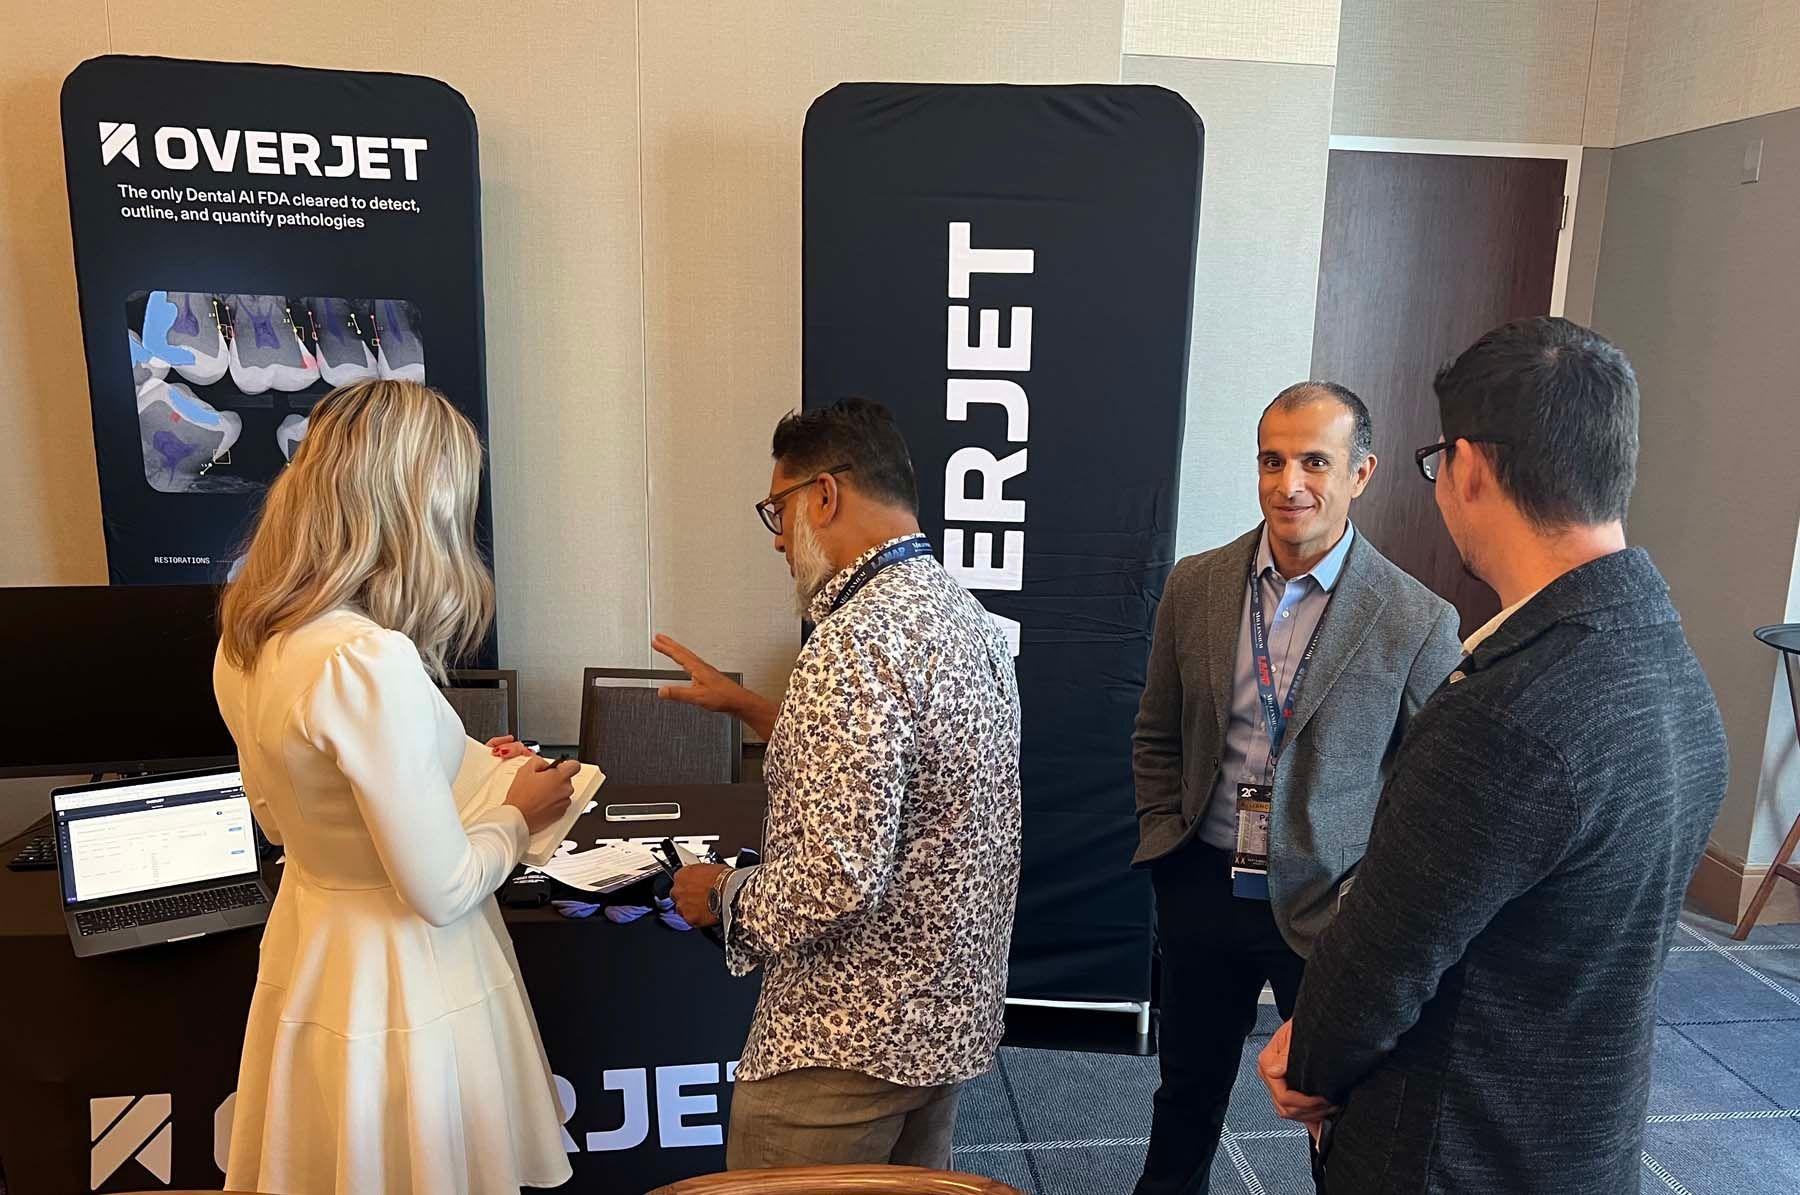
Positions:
(832, 1180)
(638, 738)
(486, 699)
(1786, 640)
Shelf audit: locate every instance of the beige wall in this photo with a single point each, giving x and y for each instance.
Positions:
(1606, 70)
(1260, 74)
(1469, 70)
(1262, 210)
(49, 492)
(1689, 65)
(1303, 32)
(1561, 72)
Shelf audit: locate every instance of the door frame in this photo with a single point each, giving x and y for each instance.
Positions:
(1569, 154)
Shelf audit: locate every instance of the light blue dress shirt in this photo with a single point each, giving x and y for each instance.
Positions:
(1293, 608)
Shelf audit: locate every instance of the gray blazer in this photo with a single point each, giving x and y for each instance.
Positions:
(1387, 645)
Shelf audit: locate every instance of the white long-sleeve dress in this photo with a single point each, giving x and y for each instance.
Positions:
(391, 1047)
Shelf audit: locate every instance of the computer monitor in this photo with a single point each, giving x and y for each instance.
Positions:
(109, 678)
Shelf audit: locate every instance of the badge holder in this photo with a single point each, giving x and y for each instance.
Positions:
(1250, 863)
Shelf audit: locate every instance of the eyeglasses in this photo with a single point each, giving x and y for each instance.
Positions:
(1427, 457)
(769, 509)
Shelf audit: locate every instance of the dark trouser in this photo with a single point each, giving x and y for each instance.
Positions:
(1217, 952)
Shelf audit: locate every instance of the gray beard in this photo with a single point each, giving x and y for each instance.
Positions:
(812, 567)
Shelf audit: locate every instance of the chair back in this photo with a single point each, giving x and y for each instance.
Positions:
(486, 699)
(636, 737)
(835, 1180)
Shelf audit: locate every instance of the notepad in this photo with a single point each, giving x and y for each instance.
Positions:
(482, 783)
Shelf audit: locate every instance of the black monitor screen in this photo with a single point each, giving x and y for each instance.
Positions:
(110, 678)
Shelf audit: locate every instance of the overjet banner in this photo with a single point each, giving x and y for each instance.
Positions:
(246, 238)
(1011, 270)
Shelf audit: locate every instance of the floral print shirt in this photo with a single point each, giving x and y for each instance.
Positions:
(882, 911)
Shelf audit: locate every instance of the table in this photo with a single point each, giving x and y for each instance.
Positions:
(140, 1049)
(1784, 638)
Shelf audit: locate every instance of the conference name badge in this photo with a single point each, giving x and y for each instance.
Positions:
(1250, 863)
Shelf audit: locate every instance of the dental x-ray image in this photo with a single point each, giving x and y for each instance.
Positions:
(224, 382)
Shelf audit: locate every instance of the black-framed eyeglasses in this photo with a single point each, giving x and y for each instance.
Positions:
(1429, 456)
(769, 509)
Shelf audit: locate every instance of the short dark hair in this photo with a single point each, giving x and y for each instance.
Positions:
(1362, 432)
(1562, 401)
(858, 432)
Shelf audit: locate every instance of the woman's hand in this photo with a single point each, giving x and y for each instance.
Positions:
(506, 747)
(542, 791)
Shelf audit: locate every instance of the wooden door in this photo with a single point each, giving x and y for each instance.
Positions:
(1422, 253)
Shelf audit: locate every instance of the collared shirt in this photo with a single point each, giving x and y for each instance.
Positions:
(1494, 624)
(882, 912)
(1294, 608)
(1488, 630)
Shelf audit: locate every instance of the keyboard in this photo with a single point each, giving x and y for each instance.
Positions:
(39, 855)
(168, 908)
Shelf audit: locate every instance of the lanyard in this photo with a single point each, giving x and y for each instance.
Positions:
(1275, 713)
(907, 549)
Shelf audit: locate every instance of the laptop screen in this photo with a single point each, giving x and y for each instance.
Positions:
(126, 839)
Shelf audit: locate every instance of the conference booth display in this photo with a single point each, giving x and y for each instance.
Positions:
(1009, 269)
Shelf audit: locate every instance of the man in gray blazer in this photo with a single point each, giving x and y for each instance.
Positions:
(1284, 669)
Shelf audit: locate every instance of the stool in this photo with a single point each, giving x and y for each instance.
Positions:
(1785, 639)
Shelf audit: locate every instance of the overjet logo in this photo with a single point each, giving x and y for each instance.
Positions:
(123, 1127)
(264, 151)
(117, 139)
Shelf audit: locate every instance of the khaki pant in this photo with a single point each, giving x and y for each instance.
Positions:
(822, 1117)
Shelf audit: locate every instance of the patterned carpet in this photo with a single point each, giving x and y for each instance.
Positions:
(1724, 1114)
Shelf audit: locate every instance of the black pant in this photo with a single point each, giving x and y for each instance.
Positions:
(1217, 952)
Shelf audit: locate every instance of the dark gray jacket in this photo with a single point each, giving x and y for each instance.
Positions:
(1484, 1004)
(1387, 643)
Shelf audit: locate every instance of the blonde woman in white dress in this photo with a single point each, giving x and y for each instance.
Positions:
(391, 1047)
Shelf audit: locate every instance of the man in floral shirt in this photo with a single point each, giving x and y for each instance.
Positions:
(882, 912)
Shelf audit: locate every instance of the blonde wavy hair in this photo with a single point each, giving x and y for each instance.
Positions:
(376, 513)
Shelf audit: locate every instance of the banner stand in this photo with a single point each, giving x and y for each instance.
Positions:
(248, 237)
(1010, 270)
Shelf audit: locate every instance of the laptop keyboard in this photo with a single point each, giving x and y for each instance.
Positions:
(167, 908)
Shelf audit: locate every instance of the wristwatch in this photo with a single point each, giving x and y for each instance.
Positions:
(715, 896)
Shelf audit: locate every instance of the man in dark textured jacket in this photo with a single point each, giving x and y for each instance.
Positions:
(1480, 1015)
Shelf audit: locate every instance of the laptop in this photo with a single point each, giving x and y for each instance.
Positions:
(157, 859)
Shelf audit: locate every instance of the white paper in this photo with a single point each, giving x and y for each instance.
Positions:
(609, 866)
(481, 787)
(698, 844)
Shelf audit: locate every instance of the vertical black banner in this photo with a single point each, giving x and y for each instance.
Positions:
(246, 238)
(1011, 270)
